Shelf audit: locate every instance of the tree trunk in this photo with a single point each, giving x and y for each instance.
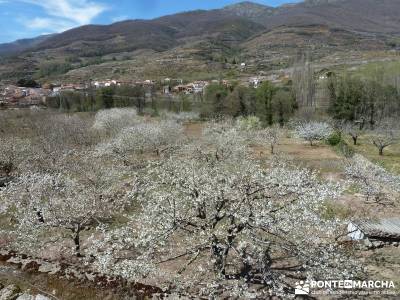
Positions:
(355, 140)
(372, 117)
(218, 254)
(381, 150)
(77, 241)
(281, 115)
(40, 216)
(245, 270)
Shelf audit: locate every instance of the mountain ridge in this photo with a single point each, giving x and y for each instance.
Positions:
(22, 44)
(221, 34)
(337, 13)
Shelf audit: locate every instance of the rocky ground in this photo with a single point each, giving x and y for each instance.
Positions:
(27, 278)
(13, 292)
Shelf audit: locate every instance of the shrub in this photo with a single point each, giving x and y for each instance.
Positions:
(28, 82)
(249, 123)
(334, 139)
(345, 149)
(150, 112)
(332, 211)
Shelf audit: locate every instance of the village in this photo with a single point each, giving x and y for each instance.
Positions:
(17, 96)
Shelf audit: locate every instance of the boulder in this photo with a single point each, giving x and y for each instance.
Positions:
(30, 297)
(10, 292)
(50, 268)
(25, 297)
(41, 297)
(377, 244)
(30, 265)
(367, 243)
(5, 180)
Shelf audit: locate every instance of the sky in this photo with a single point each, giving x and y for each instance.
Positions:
(30, 18)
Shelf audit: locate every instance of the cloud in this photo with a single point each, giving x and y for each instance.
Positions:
(64, 14)
(119, 18)
(48, 23)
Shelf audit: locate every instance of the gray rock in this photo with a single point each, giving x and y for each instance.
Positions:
(378, 244)
(51, 268)
(30, 297)
(90, 277)
(10, 292)
(26, 297)
(4, 181)
(367, 243)
(15, 260)
(41, 297)
(29, 265)
(71, 272)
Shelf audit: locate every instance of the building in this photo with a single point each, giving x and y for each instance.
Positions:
(166, 89)
(196, 87)
(376, 232)
(199, 86)
(14, 96)
(256, 81)
(149, 82)
(180, 88)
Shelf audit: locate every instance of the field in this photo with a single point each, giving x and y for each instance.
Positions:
(391, 159)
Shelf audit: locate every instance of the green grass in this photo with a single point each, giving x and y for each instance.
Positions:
(331, 210)
(385, 70)
(390, 160)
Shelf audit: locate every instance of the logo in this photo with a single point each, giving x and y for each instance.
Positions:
(302, 288)
(317, 287)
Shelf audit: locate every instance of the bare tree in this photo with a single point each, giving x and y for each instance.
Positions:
(354, 131)
(377, 185)
(384, 137)
(269, 136)
(304, 82)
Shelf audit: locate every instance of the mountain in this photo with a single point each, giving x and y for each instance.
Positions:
(158, 35)
(375, 16)
(208, 39)
(21, 45)
(253, 11)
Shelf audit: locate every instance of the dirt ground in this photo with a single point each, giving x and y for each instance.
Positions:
(52, 286)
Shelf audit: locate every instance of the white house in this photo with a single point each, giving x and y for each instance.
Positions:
(256, 81)
(199, 86)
